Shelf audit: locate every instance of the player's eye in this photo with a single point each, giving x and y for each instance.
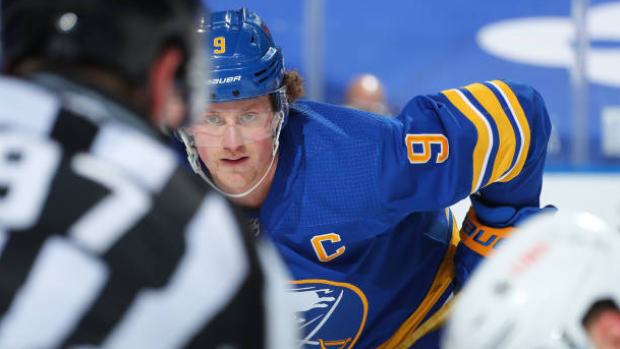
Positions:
(248, 118)
(212, 120)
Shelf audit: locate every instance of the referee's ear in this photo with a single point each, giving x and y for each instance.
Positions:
(161, 81)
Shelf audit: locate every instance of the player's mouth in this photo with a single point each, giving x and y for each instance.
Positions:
(235, 161)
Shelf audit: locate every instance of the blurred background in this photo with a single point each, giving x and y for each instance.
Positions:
(568, 50)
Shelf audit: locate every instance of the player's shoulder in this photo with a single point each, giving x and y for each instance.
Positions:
(336, 144)
(26, 102)
(15, 87)
(313, 108)
(329, 118)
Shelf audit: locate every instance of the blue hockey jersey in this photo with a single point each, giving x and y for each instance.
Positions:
(358, 206)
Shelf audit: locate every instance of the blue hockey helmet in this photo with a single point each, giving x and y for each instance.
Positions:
(245, 61)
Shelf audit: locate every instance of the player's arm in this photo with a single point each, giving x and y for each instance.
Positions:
(486, 140)
(509, 184)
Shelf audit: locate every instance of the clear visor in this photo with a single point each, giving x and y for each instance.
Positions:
(231, 129)
(216, 148)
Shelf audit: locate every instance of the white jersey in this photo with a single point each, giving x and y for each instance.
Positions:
(105, 242)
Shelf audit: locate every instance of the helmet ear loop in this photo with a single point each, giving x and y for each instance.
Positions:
(276, 132)
(192, 152)
(282, 115)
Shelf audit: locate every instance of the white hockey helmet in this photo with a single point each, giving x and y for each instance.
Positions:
(534, 292)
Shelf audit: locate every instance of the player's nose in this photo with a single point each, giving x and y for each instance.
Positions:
(232, 137)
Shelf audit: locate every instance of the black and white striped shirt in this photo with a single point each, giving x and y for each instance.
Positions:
(106, 243)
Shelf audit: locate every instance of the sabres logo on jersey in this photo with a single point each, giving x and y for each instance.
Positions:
(331, 314)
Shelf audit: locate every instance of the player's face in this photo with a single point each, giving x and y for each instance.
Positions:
(604, 330)
(234, 141)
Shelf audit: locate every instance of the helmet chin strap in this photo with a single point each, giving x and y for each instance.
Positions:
(194, 160)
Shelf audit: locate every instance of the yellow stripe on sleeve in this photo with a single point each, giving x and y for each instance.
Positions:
(507, 140)
(524, 128)
(484, 143)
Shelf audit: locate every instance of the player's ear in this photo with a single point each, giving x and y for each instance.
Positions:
(161, 77)
(606, 331)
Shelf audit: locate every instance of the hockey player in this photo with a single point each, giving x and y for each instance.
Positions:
(555, 284)
(357, 204)
(105, 241)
